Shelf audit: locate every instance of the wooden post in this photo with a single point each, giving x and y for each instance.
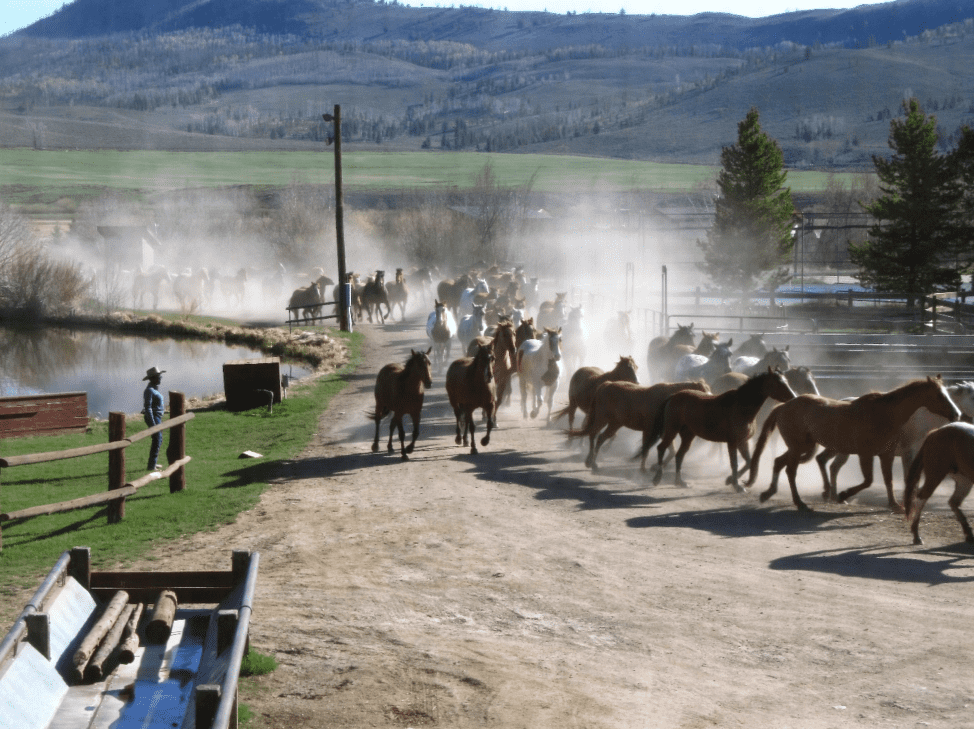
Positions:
(39, 632)
(226, 629)
(80, 566)
(116, 467)
(177, 441)
(207, 703)
(343, 320)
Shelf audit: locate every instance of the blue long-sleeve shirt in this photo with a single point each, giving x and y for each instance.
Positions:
(154, 405)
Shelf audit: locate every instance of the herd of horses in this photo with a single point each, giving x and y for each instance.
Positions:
(700, 389)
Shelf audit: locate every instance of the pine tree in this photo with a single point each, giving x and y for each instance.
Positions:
(914, 244)
(751, 237)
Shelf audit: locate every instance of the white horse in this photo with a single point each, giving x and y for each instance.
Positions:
(471, 327)
(574, 339)
(441, 327)
(699, 367)
(751, 366)
(469, 296)
(537, 368)
(189, 288)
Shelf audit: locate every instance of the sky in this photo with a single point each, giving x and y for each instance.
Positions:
(18, 14)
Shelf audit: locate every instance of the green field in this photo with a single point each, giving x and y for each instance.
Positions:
(36, 177)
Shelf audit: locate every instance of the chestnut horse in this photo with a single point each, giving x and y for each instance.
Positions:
(470, 385)
(726, 418)
(623, 404)
(400, 389)
(663, 353)
(398, 294)
(867, 426)
(947, 451)
(582, 386)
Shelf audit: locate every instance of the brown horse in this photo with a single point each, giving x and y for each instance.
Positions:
(374, 295)
(398, 294)
(663, 353)
(400, 389)
(505, 357)
(622, 404)
(470, 385)
(867, 426)
(726, 418)
(585, 381)
(449, 292)
(525, 331)
(947, 451)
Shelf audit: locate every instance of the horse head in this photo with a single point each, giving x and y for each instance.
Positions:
(963, 396)
(939, 402)
(682, 335)
(625, 370)
(778, 358)
(421, 360)
(553, 337)
(777, 386)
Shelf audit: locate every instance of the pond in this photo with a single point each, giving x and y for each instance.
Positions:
(110, 366)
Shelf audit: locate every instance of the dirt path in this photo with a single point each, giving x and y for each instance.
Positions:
(517, 589)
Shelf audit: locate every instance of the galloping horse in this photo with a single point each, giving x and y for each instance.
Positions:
(470, 327)
(398, 294)
(573, 344)
(624, 404)
(533, 361)
(867, 426)
(947, 451)
(470, 385)
(774, 358)
(554, 313)
(449, 292)
(525, 331)
(307, 300)
(400, 389)
(374, 295)
(753, 346)
(699, 367)
(585, 381)
(908, 441)
(505, 357)
(726, 418)
(663, 352)
(441, 328)
(234, 288)
(473, 295)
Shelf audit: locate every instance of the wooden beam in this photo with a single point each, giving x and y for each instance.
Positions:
(71, 505)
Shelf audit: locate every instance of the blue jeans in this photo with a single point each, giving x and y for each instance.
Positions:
(156, 442)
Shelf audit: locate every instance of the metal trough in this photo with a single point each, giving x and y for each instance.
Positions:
(187, 681)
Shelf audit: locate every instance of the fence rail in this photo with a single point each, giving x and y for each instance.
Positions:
(118, 487)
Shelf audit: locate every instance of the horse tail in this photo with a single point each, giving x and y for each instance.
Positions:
(520, 358)
(375, 415)
(912, 481)
(558, 414)
(586, 430)
(656, 433)
(769, 425)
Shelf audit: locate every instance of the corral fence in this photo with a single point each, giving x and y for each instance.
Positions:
(296, 318)
(118, 487)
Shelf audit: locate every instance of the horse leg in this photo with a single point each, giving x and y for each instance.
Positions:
(412, 444)
(830, 476)
(962, 487)
(378, 419)
(489, 412)
(457, 413)
(610, 431)
(686, 438)
(523, 382)
(792, 470)
(537, 398)
(931, 480)
(745, 451)
(779, 463)
(866, 464)
(886, 468)
(665, 443)
(472, 427)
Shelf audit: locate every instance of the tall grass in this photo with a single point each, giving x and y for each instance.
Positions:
(219, 485)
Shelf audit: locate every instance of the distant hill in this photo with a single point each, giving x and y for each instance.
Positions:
(222, 74)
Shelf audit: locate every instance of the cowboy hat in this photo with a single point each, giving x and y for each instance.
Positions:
(152, 373)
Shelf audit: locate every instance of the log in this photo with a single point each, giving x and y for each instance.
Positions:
(97, 632)
(130, 638)
(95, 670)
(159, 627)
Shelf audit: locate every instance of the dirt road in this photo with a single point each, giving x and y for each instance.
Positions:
(517, 589)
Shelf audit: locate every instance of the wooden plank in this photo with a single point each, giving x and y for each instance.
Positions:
(59, 507)
(45, 414)
(185, 595)
(159, 428)
(162, 580)
(156, 475)
(31, 458)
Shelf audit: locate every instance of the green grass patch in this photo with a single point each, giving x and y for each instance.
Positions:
(219, 485)
(257, 664)
(42, 177)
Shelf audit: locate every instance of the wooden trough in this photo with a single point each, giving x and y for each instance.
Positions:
(128, 649)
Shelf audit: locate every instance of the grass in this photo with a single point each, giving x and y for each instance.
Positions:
(219, 485)
(38, 178)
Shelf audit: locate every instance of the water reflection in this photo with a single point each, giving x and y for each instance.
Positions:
(110, 366)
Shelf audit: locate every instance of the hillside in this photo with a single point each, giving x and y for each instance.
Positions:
(259, 74)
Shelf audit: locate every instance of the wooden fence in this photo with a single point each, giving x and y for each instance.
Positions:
(118, 487)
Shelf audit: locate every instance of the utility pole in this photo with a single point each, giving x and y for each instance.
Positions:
(345, 298)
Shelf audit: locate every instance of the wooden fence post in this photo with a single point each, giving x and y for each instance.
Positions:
(177, 441)
(116, 466)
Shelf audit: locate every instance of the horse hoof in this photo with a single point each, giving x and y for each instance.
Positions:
(391, 449)
(457, 440)
(917, 540)
(405, 457)
(375, 447)
(485, 440)
(765, 495)
(657, 478)
(897, 508)
(473, 450)
(409, 448)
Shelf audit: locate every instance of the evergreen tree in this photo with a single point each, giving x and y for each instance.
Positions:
(914, 244)
(751, 237)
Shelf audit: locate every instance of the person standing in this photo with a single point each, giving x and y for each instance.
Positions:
(155, 406)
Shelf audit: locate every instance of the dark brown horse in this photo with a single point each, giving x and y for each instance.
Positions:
(726, 418)
(525, 331)
(867, 426)
(398, 294)
(400, 390)
(664, 353)
(623, 404)
(947, 451)
(374, 295)
(449, 292)
(505, 357)
(582, 386)
(470, 385)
